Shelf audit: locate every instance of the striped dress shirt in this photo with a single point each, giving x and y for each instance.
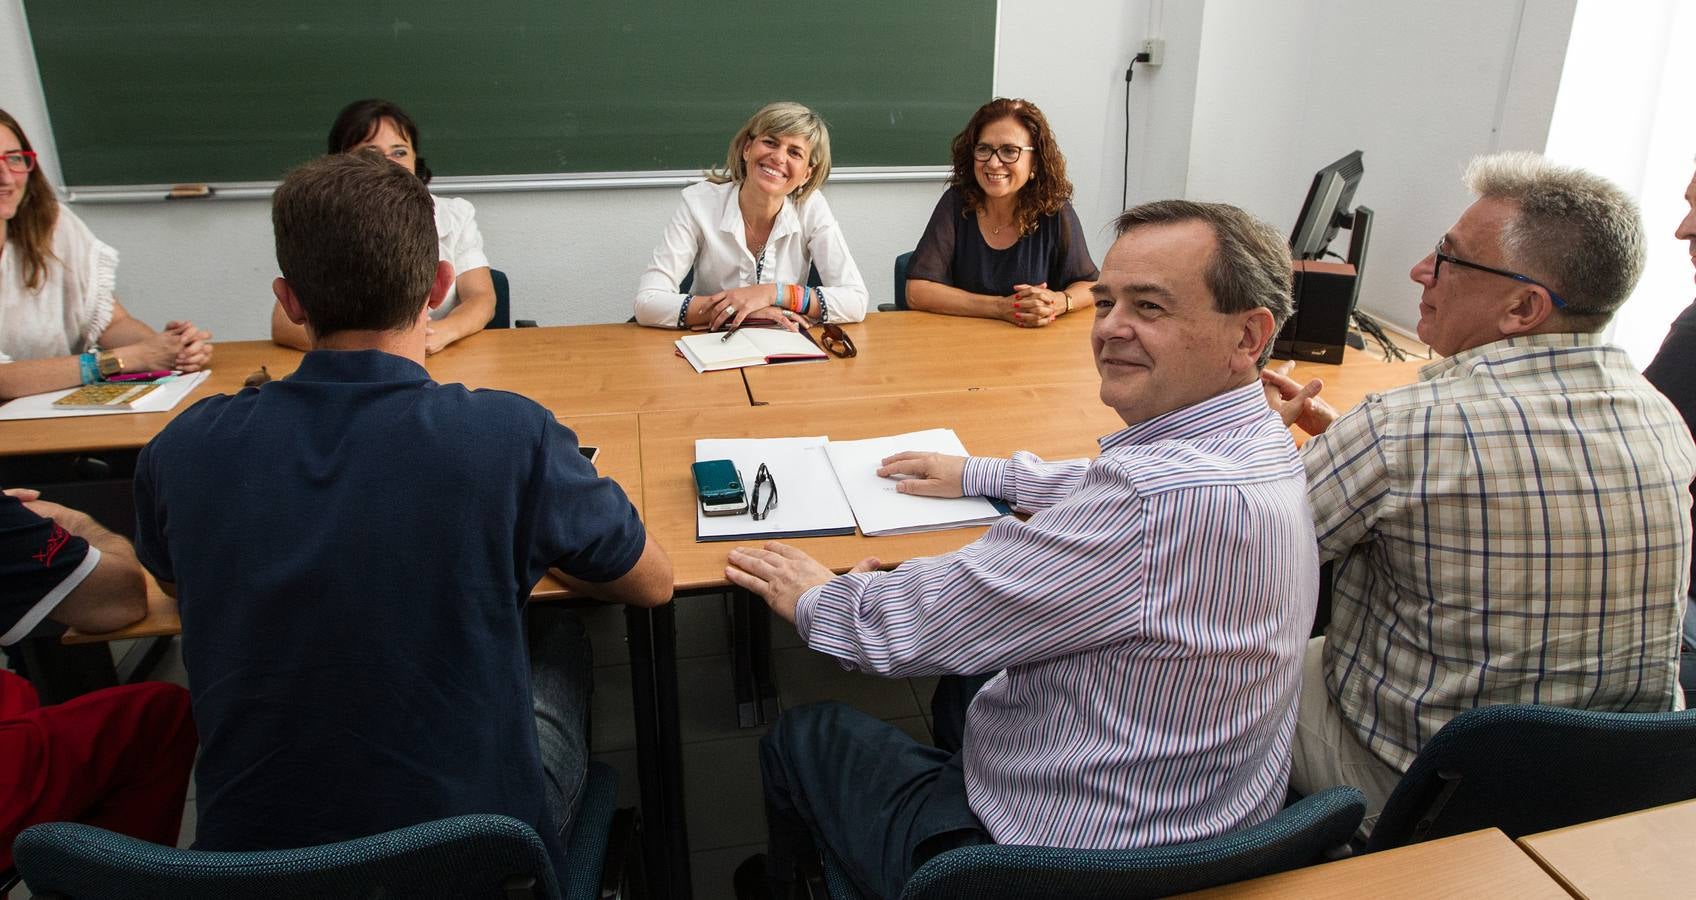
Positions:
(1150, 617)
(1513, 528)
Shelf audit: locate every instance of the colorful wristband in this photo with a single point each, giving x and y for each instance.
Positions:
(90, 368)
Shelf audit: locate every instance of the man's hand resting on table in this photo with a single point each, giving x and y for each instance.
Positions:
(781, 574)
(926, 474)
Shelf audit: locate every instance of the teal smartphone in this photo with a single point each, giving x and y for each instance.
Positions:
(718, 487)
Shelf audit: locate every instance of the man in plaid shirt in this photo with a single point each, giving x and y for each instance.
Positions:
(1514, 527)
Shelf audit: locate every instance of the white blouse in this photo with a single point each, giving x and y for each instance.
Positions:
(73, 306)
(707, 234)
(459, 242)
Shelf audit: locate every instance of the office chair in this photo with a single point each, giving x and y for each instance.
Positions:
(503, 304)
(1297, 836)
(469, 856)
(901, 263)
(1526, 769)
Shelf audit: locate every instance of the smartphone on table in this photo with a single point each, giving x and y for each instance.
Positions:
(718, 488)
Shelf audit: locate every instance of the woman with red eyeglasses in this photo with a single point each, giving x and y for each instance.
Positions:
(61, 324)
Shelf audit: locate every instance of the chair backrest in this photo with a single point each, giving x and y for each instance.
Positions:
(1295, 837)
(471, 856)
(503, 300)
(901, 263)
(1525, 769)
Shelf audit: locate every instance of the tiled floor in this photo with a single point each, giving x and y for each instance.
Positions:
(721, 776)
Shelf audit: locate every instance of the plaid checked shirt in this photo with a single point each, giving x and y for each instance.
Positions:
(1512, 529)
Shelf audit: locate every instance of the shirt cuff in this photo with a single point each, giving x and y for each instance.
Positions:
(804, 610)
(986, 477)
(33, 616)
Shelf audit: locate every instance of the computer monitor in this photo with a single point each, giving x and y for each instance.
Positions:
(1327, 207)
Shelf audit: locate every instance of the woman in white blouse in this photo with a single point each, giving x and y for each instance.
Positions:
(470, 303)
(61, 325)
(752, 231)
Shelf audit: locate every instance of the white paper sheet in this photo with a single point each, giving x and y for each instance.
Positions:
(880, 508)
(40, 406)
(808, 497)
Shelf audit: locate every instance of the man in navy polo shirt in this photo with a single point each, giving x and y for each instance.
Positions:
(352, 548)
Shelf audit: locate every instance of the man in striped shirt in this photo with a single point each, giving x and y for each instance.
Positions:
(1513, 528)
(1150, 615)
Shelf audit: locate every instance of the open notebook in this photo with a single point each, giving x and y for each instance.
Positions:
(164, 395)
(825, 487)
(749, 346)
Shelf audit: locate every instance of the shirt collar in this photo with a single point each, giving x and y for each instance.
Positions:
(731, 221)
(1232, 410)
(357, 366)
(1485, 354)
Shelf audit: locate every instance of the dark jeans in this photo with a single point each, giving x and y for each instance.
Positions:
(561, 680)
(948, 708)
(880, 803)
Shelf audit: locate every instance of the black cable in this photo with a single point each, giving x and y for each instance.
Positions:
(1371, 328)
(1125, 192)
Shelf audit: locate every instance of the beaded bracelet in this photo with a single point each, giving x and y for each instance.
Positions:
(824, 314)
(90, 368)
(683, 312)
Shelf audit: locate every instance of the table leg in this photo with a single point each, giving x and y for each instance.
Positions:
(765, 683)
(652, 637)
(61, 672)
(742, 658)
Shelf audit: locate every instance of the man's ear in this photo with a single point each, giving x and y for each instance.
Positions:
(1529, 308)
(439, 288)
(1258, 328)
(287, 299)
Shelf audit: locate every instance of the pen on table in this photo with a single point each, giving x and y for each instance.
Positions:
(142, 376)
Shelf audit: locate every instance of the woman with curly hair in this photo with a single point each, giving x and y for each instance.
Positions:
(1004, 241)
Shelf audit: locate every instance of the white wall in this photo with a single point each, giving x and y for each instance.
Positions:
(1287, 87)
(573, 256)
(1624, 112)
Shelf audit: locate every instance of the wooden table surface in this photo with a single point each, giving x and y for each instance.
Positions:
(1640, 854)
(620, 460)
(1481, 864)
(588, 369)
(573, 371)
(1061, 422)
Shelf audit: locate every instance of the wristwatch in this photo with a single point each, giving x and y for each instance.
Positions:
(109, 363)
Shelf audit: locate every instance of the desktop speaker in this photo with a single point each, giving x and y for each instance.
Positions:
(1319, 328)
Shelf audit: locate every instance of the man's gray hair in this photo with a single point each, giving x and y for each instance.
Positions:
(1251, 263)
(1577, 232)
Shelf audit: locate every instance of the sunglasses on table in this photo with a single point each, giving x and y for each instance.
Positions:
(763, 481)
(837, 342)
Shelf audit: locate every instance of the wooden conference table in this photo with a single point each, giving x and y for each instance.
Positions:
(622, 388)
(1640, 854)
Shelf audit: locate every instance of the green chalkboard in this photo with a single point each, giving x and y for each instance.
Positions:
(168, 91)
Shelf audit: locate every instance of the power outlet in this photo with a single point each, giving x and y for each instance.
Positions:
(1155, 50)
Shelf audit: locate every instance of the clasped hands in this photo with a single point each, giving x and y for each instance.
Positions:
(1032, 305)
(781, 573)
(180, 346)
(731, 308)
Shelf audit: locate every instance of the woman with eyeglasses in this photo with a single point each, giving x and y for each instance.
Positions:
(1004, 241)
(61, 324)
(381, 126)
(752, 232)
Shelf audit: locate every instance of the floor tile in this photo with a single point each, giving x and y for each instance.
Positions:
(706, 694)
(629, 778)
(721, 793)
(170, 665)
(612, 723)
(710, 870)
(703, 626)
(804, 676)
(605, 625)
(916, 726)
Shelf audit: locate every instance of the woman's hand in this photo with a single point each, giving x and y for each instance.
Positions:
(1031, 306)
(195, 352)
(733, 307)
